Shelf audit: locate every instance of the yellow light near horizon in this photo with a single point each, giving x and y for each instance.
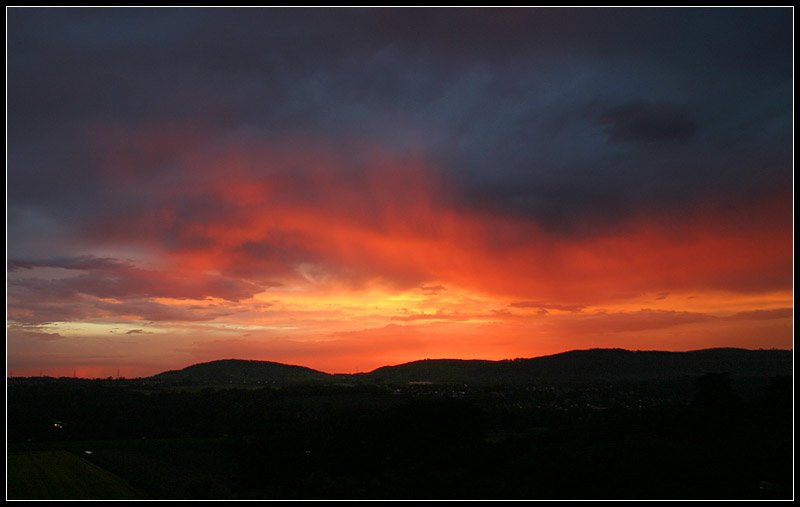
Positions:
(712, 302)
(206, 301)
(97, 328)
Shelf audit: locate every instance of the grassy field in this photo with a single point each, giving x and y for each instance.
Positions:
(175, 468)
(62, 475)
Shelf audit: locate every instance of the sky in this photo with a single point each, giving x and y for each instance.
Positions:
(350, 188)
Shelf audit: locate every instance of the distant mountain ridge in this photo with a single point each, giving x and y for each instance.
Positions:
(591, 365)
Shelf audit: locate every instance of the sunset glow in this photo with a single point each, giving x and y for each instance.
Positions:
(494, 206)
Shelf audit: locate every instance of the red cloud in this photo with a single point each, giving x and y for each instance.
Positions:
(304, 213)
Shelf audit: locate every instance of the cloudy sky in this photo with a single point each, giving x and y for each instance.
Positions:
(348, 188)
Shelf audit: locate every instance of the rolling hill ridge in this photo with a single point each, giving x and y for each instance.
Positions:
(242, 371)
(594, 365)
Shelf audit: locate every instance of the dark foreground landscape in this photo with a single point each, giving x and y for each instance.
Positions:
(584, 424)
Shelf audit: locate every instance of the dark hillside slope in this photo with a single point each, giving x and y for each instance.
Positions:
(593, 365)
(238, 371)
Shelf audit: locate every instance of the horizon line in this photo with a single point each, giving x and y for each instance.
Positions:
(9, 372)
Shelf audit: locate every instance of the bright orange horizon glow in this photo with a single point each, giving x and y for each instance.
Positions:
(386, 266)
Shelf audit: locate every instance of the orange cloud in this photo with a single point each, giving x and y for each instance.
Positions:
(302, 214)
(344, 261)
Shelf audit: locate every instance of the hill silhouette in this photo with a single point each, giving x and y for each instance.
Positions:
(242, 371)
(594, 365)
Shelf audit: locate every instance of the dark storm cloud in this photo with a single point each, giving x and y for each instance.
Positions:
(33, 333)
(107, 287)
(156, 312)
(85, 262)
(647, 122)
(111, 278)
(30, 310)
(696, 103)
